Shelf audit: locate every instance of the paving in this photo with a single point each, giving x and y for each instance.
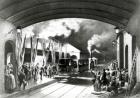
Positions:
(70, 85)
(32, 85)
(78, 87)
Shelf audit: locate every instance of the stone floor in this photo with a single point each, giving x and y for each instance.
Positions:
(69, 86)
(31, 85)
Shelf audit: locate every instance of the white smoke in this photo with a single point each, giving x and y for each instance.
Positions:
(102, 38)
(53, 27)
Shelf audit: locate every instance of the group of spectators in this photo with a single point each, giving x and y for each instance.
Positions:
(107, 80)
(115, 81)
(27, 72)
(10, 81)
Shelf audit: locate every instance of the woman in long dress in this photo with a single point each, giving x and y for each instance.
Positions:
(49, 71)
(97, 85)
(13, 80)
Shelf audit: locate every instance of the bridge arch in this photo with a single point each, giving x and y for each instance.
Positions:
(27, 12)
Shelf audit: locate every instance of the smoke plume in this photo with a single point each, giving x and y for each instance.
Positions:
(79, 33)
(100, 36)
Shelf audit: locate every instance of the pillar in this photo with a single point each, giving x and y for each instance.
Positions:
(5, 27)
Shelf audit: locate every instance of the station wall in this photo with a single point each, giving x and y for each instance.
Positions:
(5, 27)
(124, 54)
(127, 43)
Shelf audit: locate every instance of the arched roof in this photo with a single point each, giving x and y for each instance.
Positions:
(27, 12)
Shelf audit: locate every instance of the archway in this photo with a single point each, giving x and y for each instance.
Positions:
(27, 12)
(126, 56)
(9, 50)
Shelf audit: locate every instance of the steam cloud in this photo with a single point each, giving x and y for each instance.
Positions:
(79, 32)
(99, 34)
(56, 27)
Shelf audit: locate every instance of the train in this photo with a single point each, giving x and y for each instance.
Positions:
(68, 65)
(83, 65)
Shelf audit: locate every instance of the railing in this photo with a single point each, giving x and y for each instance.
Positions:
(132, 78)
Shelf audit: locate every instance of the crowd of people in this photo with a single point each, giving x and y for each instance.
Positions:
(10, 80)
(28, 72)
(107, 80)
(114, 81)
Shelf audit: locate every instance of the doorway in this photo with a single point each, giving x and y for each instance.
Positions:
(10, 63)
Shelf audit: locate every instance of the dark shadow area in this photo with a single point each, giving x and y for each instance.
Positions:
(83, 79)
(78, 81)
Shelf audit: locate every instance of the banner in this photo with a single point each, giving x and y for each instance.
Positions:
(34, 45)
(22, 52)
(32, 50)
(35, 50)
(60, 50)
(44, 51)
(18, 46)
(48, 51)
(53, 52)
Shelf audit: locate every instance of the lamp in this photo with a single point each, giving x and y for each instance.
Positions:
(19, 29)
(117, 30)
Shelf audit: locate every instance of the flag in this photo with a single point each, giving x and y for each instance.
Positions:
(22, 52)
(34, 45)
(53, 52)
(18, 46)
(48, 51)
(44, 50)
(60, 50)
(33, 56)
(31, 42)
(44, 47)
(48, 48)
(35, 50)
